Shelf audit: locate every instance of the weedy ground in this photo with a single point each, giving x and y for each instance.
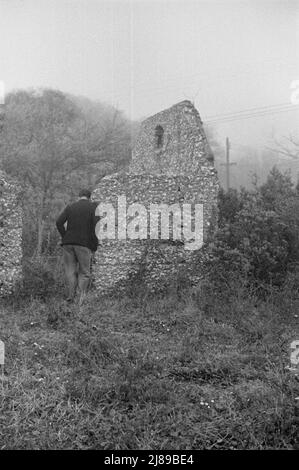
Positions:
(188, 370)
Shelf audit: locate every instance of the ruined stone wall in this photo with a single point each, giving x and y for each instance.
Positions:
(10, 235)
(171, 164)
(185, 148)
(157, 262)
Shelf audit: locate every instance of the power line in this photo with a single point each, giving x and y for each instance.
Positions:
(238, 118)
(264, 112)
(248, 110)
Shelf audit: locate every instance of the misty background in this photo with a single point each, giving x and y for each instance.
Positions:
(235, 60)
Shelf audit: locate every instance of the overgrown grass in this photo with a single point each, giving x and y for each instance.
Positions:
(187, 371)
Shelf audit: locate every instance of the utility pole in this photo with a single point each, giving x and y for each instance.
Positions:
(228, 163)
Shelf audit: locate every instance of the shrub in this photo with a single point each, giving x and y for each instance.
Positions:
(258, 232)
(41, 277)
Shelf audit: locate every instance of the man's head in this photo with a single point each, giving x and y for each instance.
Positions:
(85, 193)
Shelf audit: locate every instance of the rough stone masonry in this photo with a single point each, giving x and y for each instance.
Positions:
(171, 163)
(10, 235)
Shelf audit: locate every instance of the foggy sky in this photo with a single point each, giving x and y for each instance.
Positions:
(143, 56)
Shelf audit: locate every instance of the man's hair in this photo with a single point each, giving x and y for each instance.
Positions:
(85, 193)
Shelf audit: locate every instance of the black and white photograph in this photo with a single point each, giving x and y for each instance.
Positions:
(149, 228)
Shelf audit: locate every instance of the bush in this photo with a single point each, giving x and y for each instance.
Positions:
(258, 232)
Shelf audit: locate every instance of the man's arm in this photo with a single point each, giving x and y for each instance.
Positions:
(61, 221)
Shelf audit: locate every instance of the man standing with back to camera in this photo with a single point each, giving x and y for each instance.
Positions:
(79, 241)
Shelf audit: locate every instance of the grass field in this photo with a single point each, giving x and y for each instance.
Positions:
(187, 371)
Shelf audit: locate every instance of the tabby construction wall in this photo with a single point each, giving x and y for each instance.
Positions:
(171, 164)
(180, 148)
(156, 261)
(10, 235)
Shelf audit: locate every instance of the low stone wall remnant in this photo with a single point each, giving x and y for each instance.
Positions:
(10, 235)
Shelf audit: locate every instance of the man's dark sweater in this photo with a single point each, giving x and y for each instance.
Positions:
(81, 222)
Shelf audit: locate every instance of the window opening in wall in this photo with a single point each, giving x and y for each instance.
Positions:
(159, 133)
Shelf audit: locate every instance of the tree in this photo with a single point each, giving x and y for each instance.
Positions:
(278, 186)
(259, 230)
(54, 146)
(288, 149)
